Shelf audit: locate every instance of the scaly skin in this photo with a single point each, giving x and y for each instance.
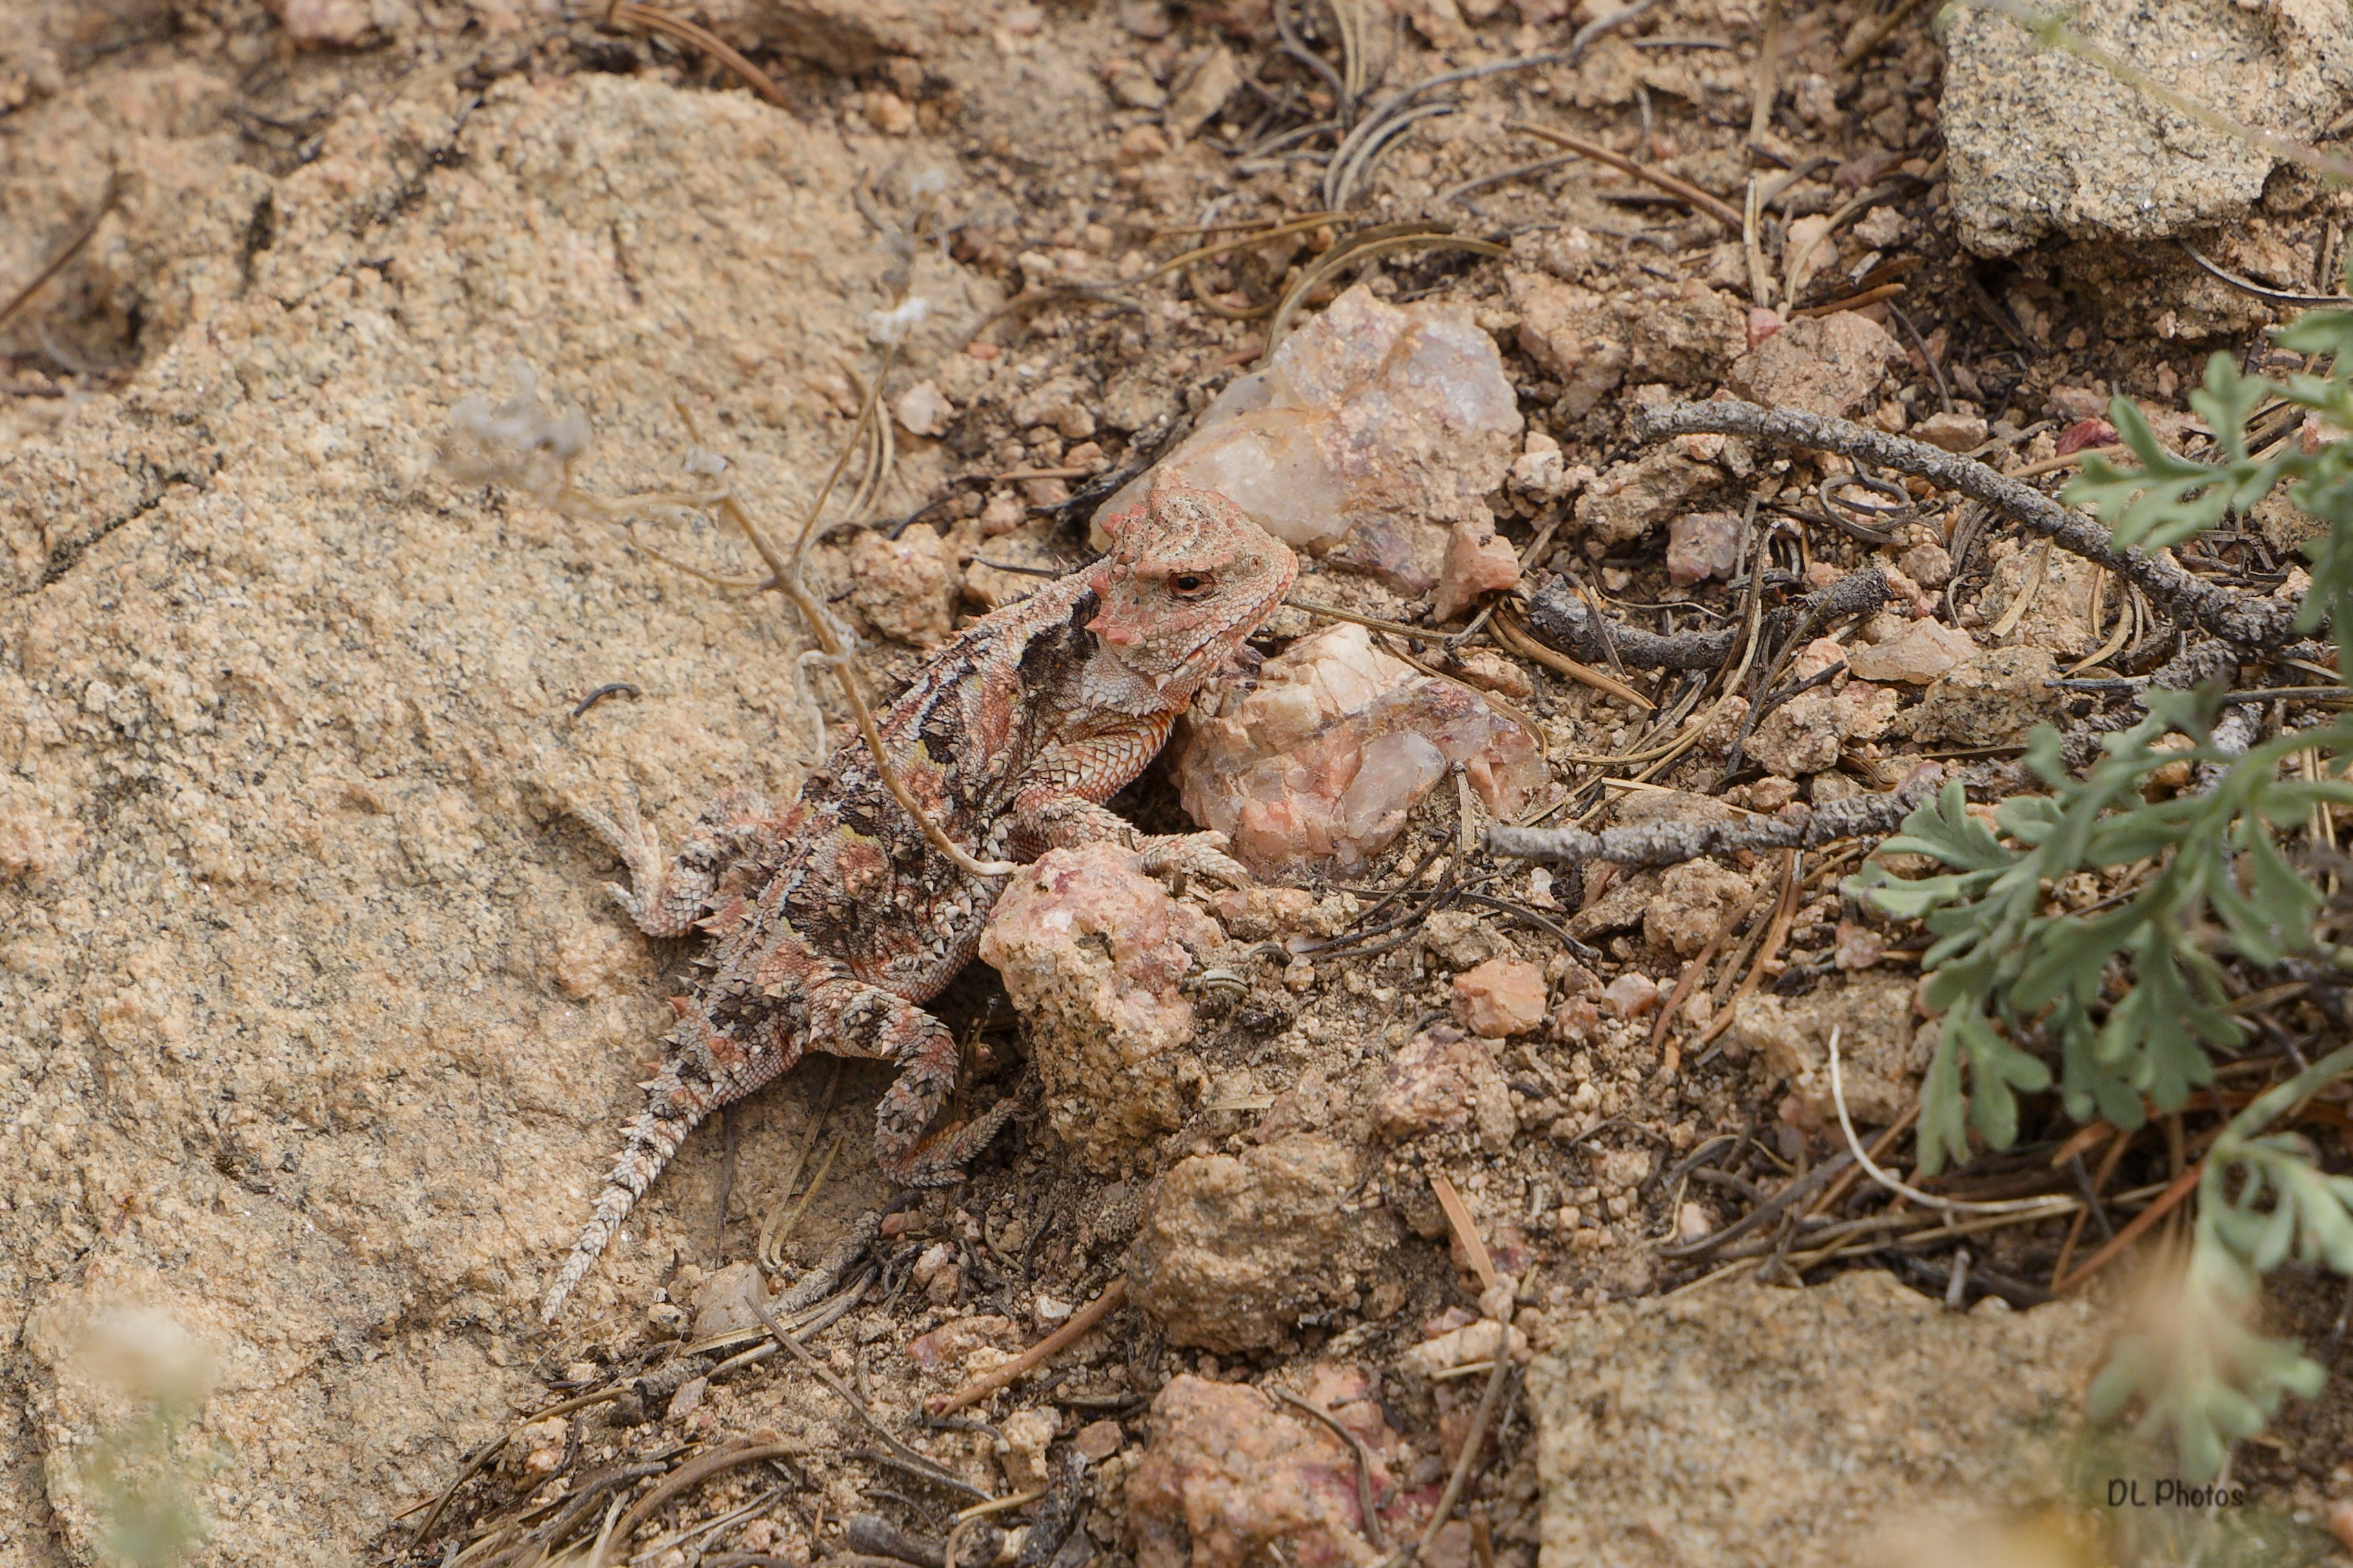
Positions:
(830, 922)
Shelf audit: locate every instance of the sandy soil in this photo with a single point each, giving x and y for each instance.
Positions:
(318, 1025)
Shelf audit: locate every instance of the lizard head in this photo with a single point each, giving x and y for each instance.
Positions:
(1189, 577)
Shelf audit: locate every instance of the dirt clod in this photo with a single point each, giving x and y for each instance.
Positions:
(1236, 1249)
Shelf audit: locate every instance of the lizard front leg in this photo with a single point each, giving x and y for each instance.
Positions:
(1061, 807)
(666, 899)
(851, 1019)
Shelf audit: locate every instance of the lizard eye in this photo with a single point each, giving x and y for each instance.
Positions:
(1188, 584)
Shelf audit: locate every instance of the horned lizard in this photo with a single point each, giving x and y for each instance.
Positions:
(831, 920)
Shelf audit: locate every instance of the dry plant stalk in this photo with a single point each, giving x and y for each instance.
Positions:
(525, 445)
(787, 576)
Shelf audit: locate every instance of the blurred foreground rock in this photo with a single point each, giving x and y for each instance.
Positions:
(1320, 761)
(1845, 1424)
(1374, 428)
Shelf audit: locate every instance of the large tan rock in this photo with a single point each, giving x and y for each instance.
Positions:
(319, 1029)
(1844, 1425)
(2042, 141)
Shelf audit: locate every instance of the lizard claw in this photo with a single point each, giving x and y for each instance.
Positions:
(640, 847)
(1201, 855)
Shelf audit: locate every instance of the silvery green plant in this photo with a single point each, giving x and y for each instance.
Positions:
(146, 1470)
(2126, 996)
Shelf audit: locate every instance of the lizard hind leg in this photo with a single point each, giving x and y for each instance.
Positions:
(851, 1019)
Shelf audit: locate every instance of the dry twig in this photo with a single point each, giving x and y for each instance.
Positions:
(71, 248)
(1672, 843)
(2239, 617)
(710, 43)
(975, 1390)
(686, 1476)
(1466, 1230)
(1700, 200)
(1372, 1522)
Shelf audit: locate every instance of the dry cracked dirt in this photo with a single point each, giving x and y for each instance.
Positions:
(318, 1026)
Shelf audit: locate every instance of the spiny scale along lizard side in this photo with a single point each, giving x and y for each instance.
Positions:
(832, 920)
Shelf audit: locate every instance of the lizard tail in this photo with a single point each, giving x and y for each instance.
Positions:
(653, 1136)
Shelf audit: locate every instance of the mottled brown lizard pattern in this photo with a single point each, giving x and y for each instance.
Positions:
(832, 920)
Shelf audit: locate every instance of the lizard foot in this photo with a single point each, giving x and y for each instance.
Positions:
(1201, 855)
(939, 1160)
(654, 900)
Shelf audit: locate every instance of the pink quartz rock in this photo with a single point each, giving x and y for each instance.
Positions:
(1318, 763)
(1631, 996)
(1477, 561)
(1919, 654)
(1092, 953)
(1762, 324)
(1230, 1477)
(1374, 429)
(1442, 1080)
(1702, 544)
(1502, 997)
